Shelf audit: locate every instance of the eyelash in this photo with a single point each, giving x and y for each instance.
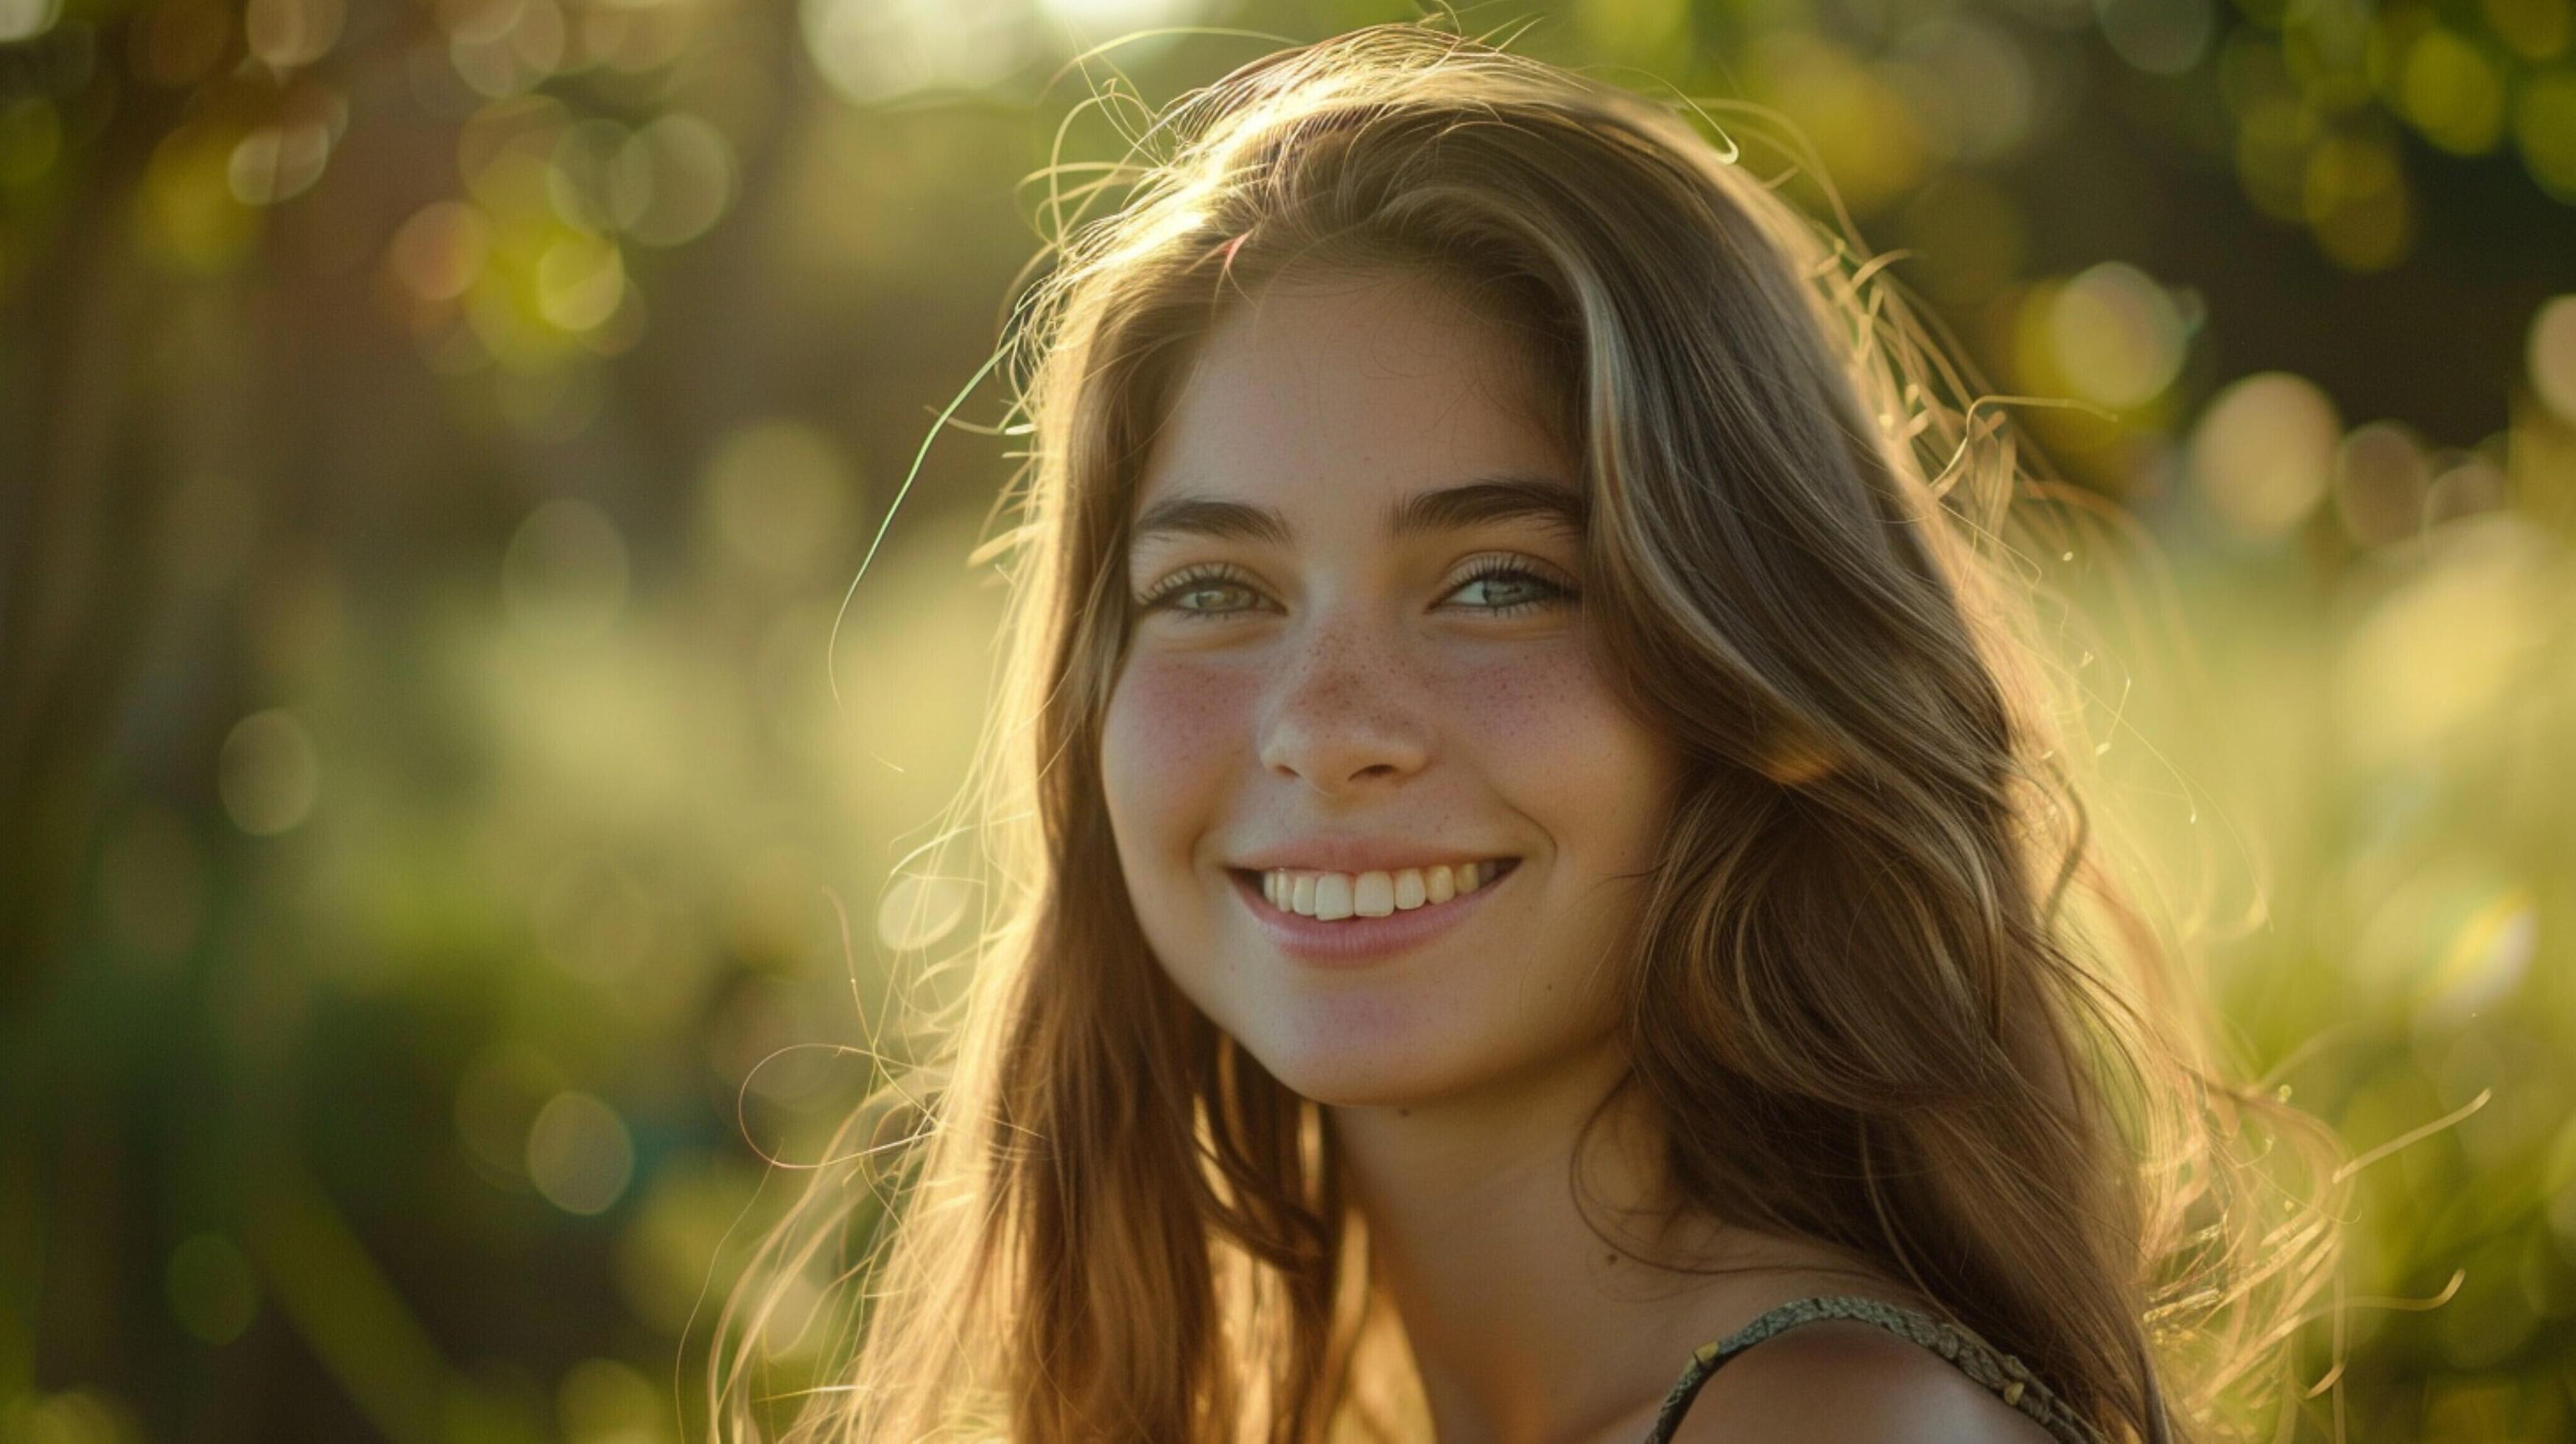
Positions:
(1200, 578)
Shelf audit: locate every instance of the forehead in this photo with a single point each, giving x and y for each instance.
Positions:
(1353, 389)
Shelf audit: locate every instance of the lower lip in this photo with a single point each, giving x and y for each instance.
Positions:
(1353, 941)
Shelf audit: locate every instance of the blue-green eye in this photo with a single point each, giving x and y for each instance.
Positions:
(1522, 588)
(1174, 595)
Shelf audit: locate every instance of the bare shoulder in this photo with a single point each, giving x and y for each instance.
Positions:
(1852, 1383)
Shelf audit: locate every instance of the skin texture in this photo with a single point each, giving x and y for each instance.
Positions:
(1348, 683)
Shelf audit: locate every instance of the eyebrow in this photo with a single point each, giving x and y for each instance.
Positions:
(1487, 499)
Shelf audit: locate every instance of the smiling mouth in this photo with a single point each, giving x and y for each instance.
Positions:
(1333, 897)
(1349, 938)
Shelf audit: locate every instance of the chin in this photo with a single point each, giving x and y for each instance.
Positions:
(1354, 1090)
(1349, 1073)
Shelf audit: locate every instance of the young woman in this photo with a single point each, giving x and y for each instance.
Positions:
(1537, 854)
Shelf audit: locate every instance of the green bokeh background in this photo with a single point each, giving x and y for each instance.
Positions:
(443, 836)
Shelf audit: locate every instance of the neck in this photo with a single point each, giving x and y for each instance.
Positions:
(1525, 1325)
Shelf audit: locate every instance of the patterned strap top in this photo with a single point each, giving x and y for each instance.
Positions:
(2007, 1376)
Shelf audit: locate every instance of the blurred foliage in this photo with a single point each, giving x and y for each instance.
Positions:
(446, 845)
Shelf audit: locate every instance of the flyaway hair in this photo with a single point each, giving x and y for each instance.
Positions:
(1896, 989)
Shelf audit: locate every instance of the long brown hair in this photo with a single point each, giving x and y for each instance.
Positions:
(1889, 993)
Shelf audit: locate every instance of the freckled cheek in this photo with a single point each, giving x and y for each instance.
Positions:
(1176, 736)
(1556, 743)
(1523, 710)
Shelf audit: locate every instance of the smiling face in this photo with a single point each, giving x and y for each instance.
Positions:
(1357, 646)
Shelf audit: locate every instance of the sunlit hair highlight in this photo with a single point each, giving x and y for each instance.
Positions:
(1896, 988)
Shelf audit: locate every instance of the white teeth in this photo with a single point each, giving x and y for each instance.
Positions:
(1373, 895)
(1329, 896)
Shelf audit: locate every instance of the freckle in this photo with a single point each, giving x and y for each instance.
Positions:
(1404, 1113)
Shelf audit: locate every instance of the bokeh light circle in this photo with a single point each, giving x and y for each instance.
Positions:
(2161, 37)
(441, 250)
(2381, 476)
(580, 1155)
(288, 33)
(27, 19)
(269, 773)
(2264, 452)
(2550, 355)
(877, 50)
(2117, 336)
(670, 181)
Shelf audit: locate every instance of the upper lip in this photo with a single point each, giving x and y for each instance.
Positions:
(1359, 854)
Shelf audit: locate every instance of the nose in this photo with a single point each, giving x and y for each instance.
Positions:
(1345, 716)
